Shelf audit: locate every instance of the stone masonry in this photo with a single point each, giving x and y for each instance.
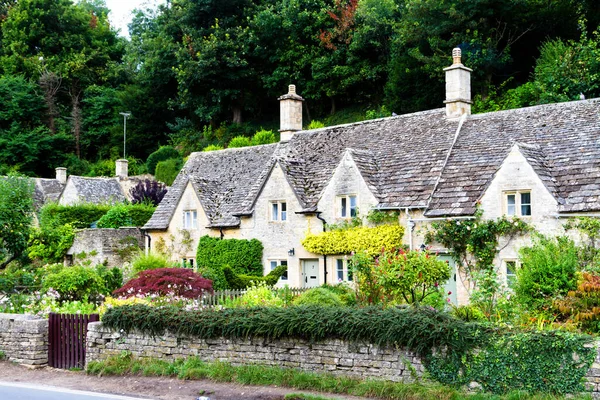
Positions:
(333, 356)
(24, 339)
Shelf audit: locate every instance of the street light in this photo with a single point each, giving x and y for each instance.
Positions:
(125, 115)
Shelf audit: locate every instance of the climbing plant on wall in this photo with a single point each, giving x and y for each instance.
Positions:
(346, 241)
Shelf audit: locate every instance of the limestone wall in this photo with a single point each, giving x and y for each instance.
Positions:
(333, 356)
(24, 339)
(106, 245)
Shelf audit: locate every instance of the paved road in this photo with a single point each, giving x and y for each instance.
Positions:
(23, 391)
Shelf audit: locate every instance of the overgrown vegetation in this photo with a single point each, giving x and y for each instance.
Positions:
(242, 281)
(346, 241)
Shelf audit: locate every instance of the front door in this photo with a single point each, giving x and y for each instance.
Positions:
(450, 286)
(310, 273)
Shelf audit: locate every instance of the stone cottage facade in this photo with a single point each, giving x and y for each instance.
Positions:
(540, 163)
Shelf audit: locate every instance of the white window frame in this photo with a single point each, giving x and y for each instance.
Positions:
(190, 219)
(345, 271)
(274, 263)
(518, 203)
(278, 211)
(345, 208)
(510, 279)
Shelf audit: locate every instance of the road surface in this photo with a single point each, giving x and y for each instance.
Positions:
(21, 391)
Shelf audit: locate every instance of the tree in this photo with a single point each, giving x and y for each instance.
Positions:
(16, 215)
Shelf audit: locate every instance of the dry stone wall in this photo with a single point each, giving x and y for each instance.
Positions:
(333, 356)
(24, 339)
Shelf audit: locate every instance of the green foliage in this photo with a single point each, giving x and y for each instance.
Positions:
(213, 147)
(588, 252)
(239, 141)
(116, 217)
(410, 328)
(346, 294)
(76, 283)
(242, 281)
(468, 313)
(262, 137)
(80, 216)
(243, 256)
(166, 171)
(16, 211)
(139, 213)
(370, 240)
(112, 277)
(314, 124)
(50, 243)
(102, 168)
(377, 217)
(143, 262)
(549, 270)
(319, 297)
(258, 295)
(551, 362)
(162, 154)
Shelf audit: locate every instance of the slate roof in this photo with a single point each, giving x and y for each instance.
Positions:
(46, 190)
(97, 190)
(410, 160)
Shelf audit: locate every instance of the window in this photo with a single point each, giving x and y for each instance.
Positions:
(518, 204)
(343, 273)
(190, 219)
(187, 263)
(277, 263)
(278, 211)
(511, 272)
(348, 207)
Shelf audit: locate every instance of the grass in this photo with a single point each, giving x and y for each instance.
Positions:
(193, 368)
(2, 355)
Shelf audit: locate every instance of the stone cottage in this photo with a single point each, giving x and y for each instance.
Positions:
(540, 163)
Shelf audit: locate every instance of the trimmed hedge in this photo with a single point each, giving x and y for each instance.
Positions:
(345, 241)
(122, 215)
(162, 154)
(241, 281)
(166, 171)
(80, 216)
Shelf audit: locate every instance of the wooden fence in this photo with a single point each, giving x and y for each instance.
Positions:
(66, 339)
(220, 296)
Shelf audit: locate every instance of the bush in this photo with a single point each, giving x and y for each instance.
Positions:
(166, 171)
(178, 282)
(318, 296)
(112, 277)
(144, 262)
(80, 216)
(263, 137)
(346, 294)
(140, 213)
(260, 295)
(241, 281)
(581, 307)
(549, 270)
(346, 241)
(102, 168)
(239, 141)
(162, 154)
(148, 192)
(213, 147)
(314, 124)
(76, 283)
(50, 243)
(122, 215)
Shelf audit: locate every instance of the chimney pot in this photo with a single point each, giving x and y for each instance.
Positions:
(292, 89)
(121, 169)
(458, 87)
(456, 55)
(290, 106)
(61, 175)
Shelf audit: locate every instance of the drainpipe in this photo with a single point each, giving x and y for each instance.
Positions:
(221, 232)
(324, 256)
(409, 228)
(149, 242)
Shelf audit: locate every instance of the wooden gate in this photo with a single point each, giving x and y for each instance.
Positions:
(66, 339)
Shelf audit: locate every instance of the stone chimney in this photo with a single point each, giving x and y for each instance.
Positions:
(122, 168)
(458, 87)
(291, 114)
(61, 175)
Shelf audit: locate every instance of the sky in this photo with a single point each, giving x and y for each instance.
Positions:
(120, 12)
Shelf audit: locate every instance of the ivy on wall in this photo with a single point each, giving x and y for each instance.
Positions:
(346, 241)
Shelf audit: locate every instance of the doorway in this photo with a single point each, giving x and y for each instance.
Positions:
(310, 273)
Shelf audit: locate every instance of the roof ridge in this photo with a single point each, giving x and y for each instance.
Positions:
(531, 108)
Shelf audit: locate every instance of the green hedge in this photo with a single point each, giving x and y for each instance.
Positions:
(166, 171)
(241, 281)
(79, 215)
(126, 215)
(243, 256)
(162, 154)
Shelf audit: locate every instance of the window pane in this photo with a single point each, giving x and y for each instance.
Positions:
(350, 274)
(511, 204)
(283, 211)
(273, 265)
(511, 273)
(525, 209)
(340, 270)
(525, 203)
(343, 210)
(353, 206)
(283, 262)
(194, 219)
(284, 276)
(274, 211)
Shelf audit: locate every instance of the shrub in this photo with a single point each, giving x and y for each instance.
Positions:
(50, 243)
(179, 282)
(346, 294)
(213, 147)
(260, 295)
(144, 262)
(314, 124)
(102, 168)
(80, 216)
(318, 296)
(166, 171)
(116, 217)
(162, 154)
(239, 141)
(112, 277)
(549, 270)
(110, 302)
(148, 191)
(241, 281)
(75, 283)
(346, 241)
(140, 213)
(263, 137)
(582, 306)
(468, 313)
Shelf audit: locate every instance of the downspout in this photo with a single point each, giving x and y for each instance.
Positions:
(148, 242)
(409, 228)
(221, 232)
(324, 256)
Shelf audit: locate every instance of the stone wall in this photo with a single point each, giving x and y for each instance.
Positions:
(24, 339)
(107, 245)
(333, 356)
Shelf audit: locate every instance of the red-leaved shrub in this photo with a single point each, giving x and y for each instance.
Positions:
(179, 282)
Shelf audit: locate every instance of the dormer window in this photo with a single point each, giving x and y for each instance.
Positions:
(278, 211)
(347, 206)
(518, 203)
(190, 219)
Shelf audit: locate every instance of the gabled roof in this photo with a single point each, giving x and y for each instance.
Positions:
(96, 190)
(414, 160)
(46, 190)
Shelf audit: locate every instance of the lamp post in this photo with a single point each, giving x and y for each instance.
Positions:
(125, 115)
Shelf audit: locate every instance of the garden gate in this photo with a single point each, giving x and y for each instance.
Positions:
(66, 339)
